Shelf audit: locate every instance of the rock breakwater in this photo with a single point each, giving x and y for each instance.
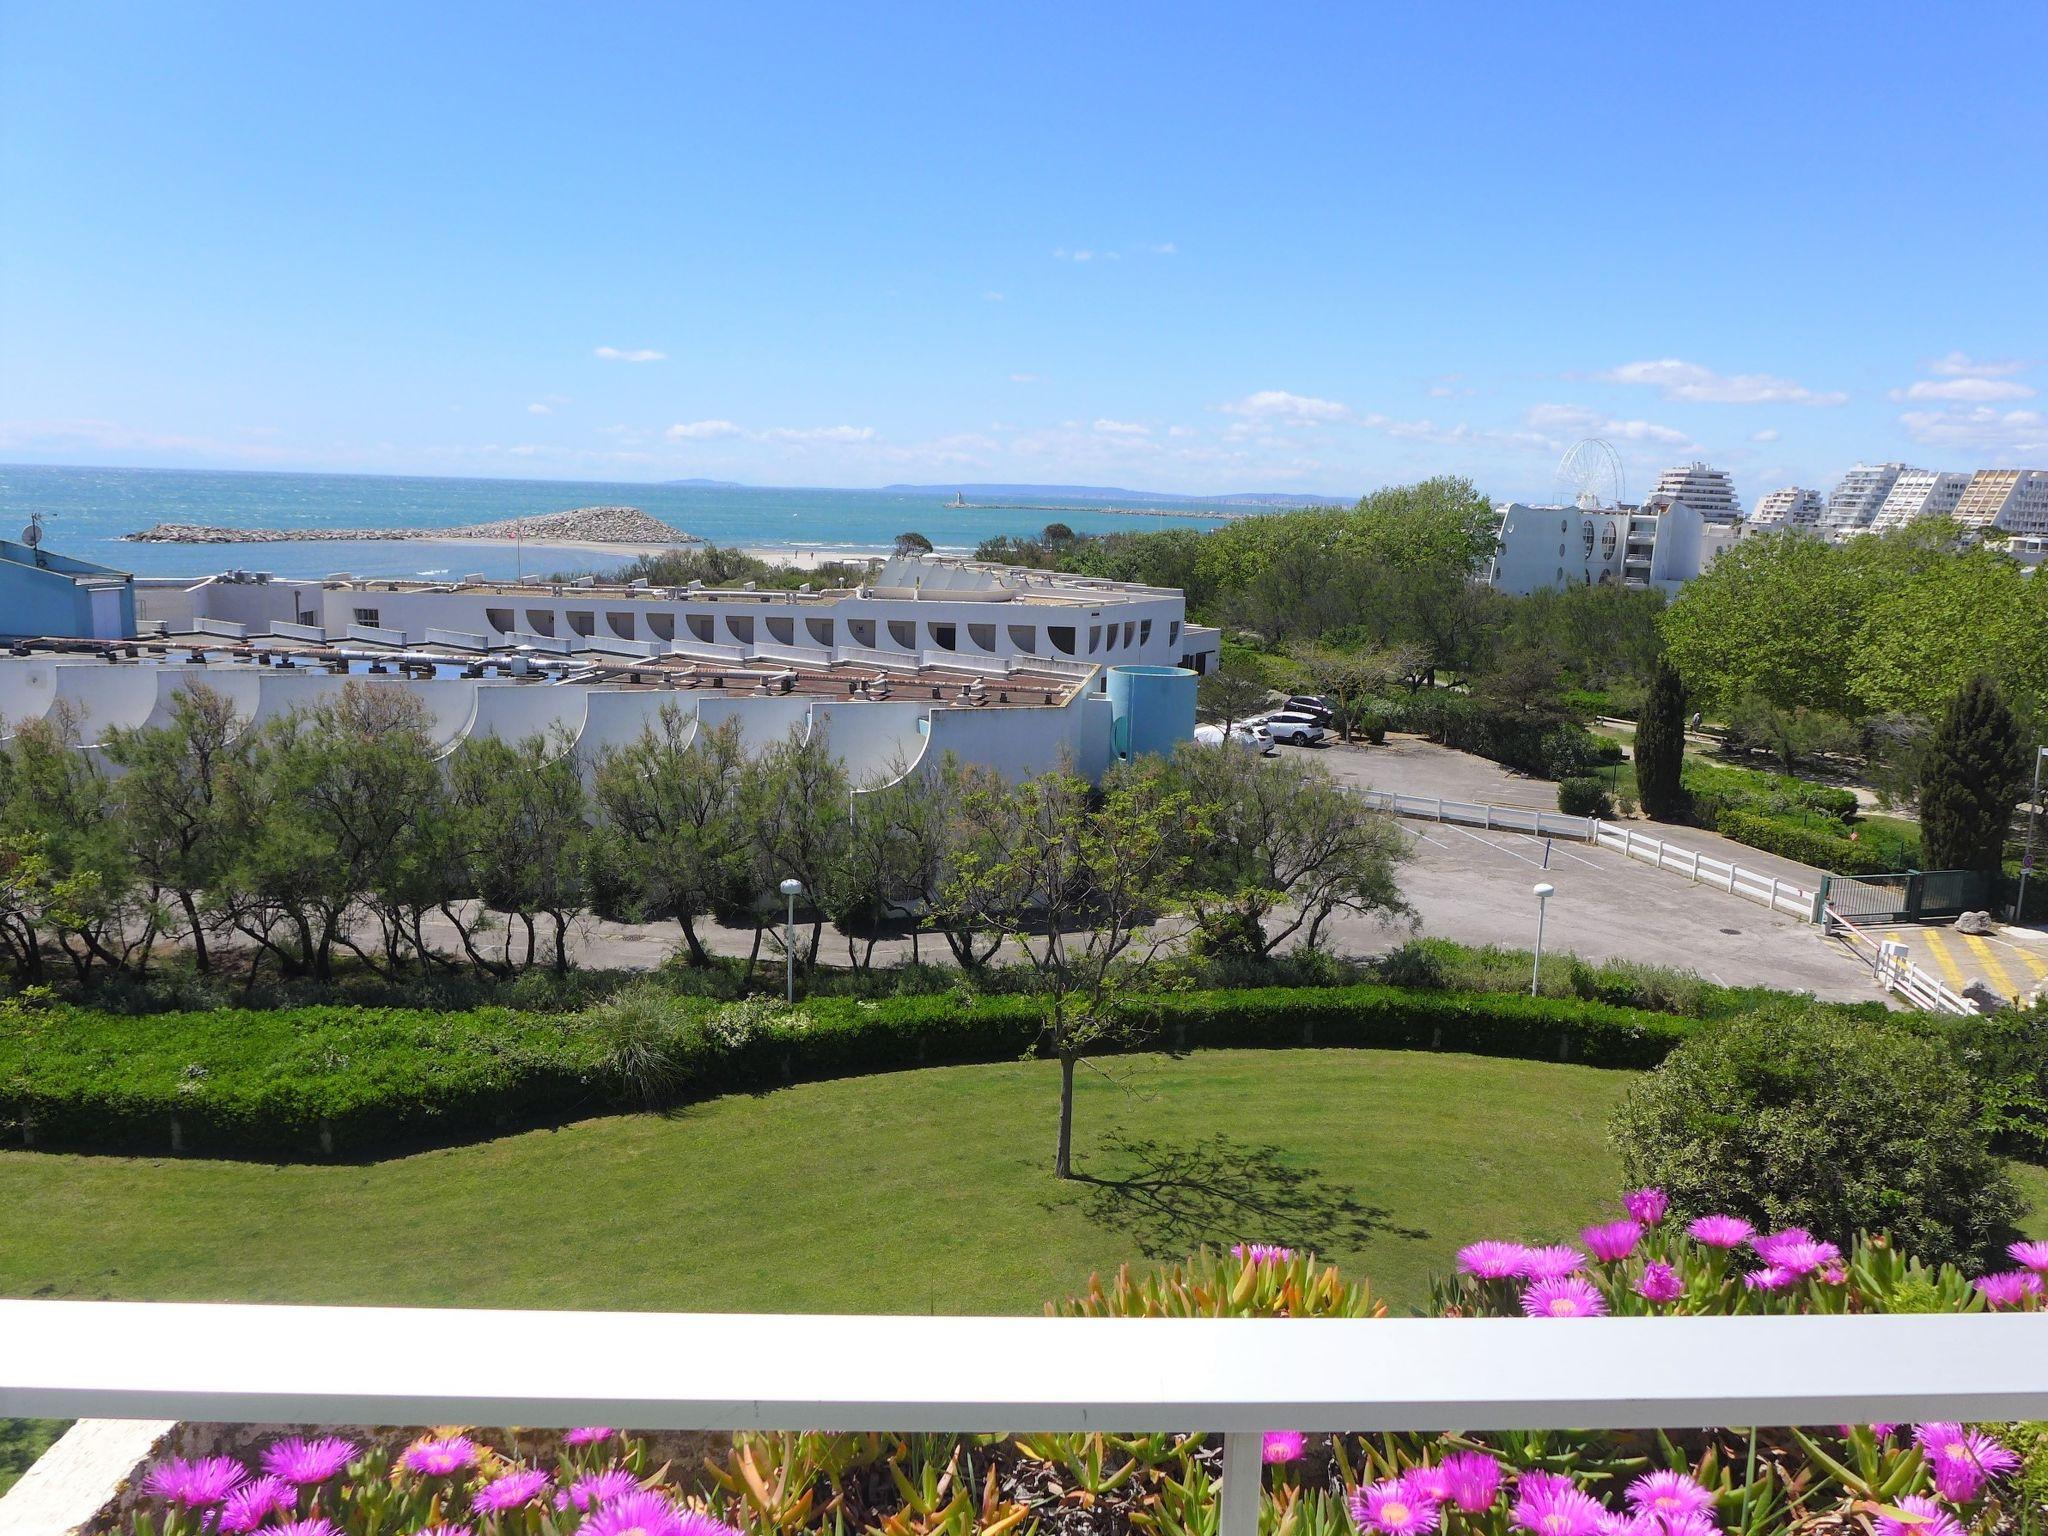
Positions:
(582, 525)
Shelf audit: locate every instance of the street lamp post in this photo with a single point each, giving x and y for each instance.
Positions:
(792, 888)
(2019, 910)
(1544, 892)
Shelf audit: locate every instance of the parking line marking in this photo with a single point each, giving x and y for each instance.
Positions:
(1996, 971)
(1497, 848)
(1944, 959)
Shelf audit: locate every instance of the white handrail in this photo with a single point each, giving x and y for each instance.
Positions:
(307, 1365)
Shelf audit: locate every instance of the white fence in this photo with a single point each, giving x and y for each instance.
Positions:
(1703, 869)
(1239, 1377)
(1892, 964)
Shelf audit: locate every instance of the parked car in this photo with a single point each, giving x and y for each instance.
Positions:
(1295, 726)
(1311, 704)
(1245, 734)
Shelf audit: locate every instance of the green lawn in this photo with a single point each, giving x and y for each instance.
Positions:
(906, 1192)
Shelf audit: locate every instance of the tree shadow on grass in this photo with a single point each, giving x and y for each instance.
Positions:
(1173, 1198)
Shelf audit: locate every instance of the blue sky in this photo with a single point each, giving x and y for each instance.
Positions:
(1181, 247)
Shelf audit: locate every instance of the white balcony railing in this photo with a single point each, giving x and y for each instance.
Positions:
(1237, 1377)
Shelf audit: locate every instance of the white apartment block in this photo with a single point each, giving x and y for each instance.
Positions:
(1664, 543)
(1919, 493)
(1790, 507)
(2012, 500)
(1858, 497)
(1708, 491)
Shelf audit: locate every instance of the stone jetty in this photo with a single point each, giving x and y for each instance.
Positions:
(583, 525)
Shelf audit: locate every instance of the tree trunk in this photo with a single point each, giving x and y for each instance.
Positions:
(199, 956)
(1063, 1160)
(695, 944)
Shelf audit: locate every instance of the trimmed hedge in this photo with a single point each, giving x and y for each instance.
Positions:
(362, 1082)
(1790, 840)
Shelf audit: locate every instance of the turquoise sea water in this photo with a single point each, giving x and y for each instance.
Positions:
(86, 511)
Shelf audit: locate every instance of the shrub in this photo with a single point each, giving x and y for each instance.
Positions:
(1584, 797)
(1802, 1118)
(1808, 845)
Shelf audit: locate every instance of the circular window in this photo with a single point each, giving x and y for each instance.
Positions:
(1587, 534)
(1608, 539)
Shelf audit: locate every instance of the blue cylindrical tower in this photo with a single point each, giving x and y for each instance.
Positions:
(1152, 709)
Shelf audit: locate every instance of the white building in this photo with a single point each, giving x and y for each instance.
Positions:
(1916, 494)
(915, 609)
(1664, 543)
(1858, 497)
(1708, 491)
(1789, 507)
(2014, 500)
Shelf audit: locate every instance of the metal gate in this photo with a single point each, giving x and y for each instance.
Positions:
(1911, 896)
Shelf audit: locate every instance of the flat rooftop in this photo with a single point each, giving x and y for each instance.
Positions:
(1023, 685)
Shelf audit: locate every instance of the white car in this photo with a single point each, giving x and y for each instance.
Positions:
(1248, 734)
(1294, 726)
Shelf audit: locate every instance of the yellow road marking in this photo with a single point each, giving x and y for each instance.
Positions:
(1949, 969)
(2032, 961)
(1992, 968)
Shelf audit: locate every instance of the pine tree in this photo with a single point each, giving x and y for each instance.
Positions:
(1970, 781)
(1660, 745)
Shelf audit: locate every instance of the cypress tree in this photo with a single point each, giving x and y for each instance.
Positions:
(1660, 745)
(1970, 781)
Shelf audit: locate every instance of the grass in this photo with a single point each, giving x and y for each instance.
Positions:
(906, 1192)
(21, 1442)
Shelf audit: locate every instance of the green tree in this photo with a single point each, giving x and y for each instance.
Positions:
(1233, 692)
(1971, 781)
(1660, 746)
(171, 799)
(1771, 620)
(913, 544)
(798, 810)
(521, 833)
(672, 843)
(1073, 888)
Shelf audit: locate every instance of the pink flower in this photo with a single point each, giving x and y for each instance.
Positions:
(1394, 1508)
(255, 1502)
(1877, 1431)
(597, 1489)
(649, 1514)
(444, 1530)
(303, 1461)
(2007, 1288)
(510, 1491)
(1668, 1494)
(1963, 1459)
(1932, 1519)
(1771, 1244)
(1802, 1258)
(439, 1458)
(588, 1434)
(1660, 1283)
(2032, 1256)
(1283, 1445)
(1721, 1231)
(1770, 1278)
(1649, 1206)
(197, 1484)
(1553, 1262)
(1549, 1505)
(313, 1527)
(1612, 1243)
(1564, 1297)
(1492, 1260)
(1261, 1253)
(1471, 1480)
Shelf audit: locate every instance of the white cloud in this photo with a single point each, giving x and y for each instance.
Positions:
(1677, 380)
(1063, 254)
(993, 297)
(1279, 405)
(1121, 428)
(1956, 364)
(1971, 389)
(840, 434)
(1979, 427)
(698, 431)
(540, 409)
(1450, 385)
(1583, 421)
(1024, 378)
(1180, 431)
(1166, 248)
(631, 355)
(1765, 435)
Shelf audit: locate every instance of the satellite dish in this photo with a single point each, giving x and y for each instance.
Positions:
(32, 535)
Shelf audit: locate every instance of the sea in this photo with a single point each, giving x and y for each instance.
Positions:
(86, 512)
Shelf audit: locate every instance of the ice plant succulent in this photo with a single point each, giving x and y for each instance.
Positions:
(587, 1434)
(1721, 1231)
(2032, 1256)
(1283, 1445)
(1547, 1504)
(440, 1457)
(255, 1502)
(2007, 1288)
(1470, 1480)
(588, 1493)
(1927, 1519)
(197, 1484)
(1648, 1206)
(302, 1461)
(1393, 1507)
(1667, 1494)
(1566, 1296)
(1261, 1253)
(1962, 1460)
(1552, 1262)
(1493, 1260)
(511, 1491)
(1612, 1243)
(1659, 1283)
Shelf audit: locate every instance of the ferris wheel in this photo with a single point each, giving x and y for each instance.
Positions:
(1590, 475)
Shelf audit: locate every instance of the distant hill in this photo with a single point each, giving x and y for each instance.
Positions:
(1119, 493)
(708, 485)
